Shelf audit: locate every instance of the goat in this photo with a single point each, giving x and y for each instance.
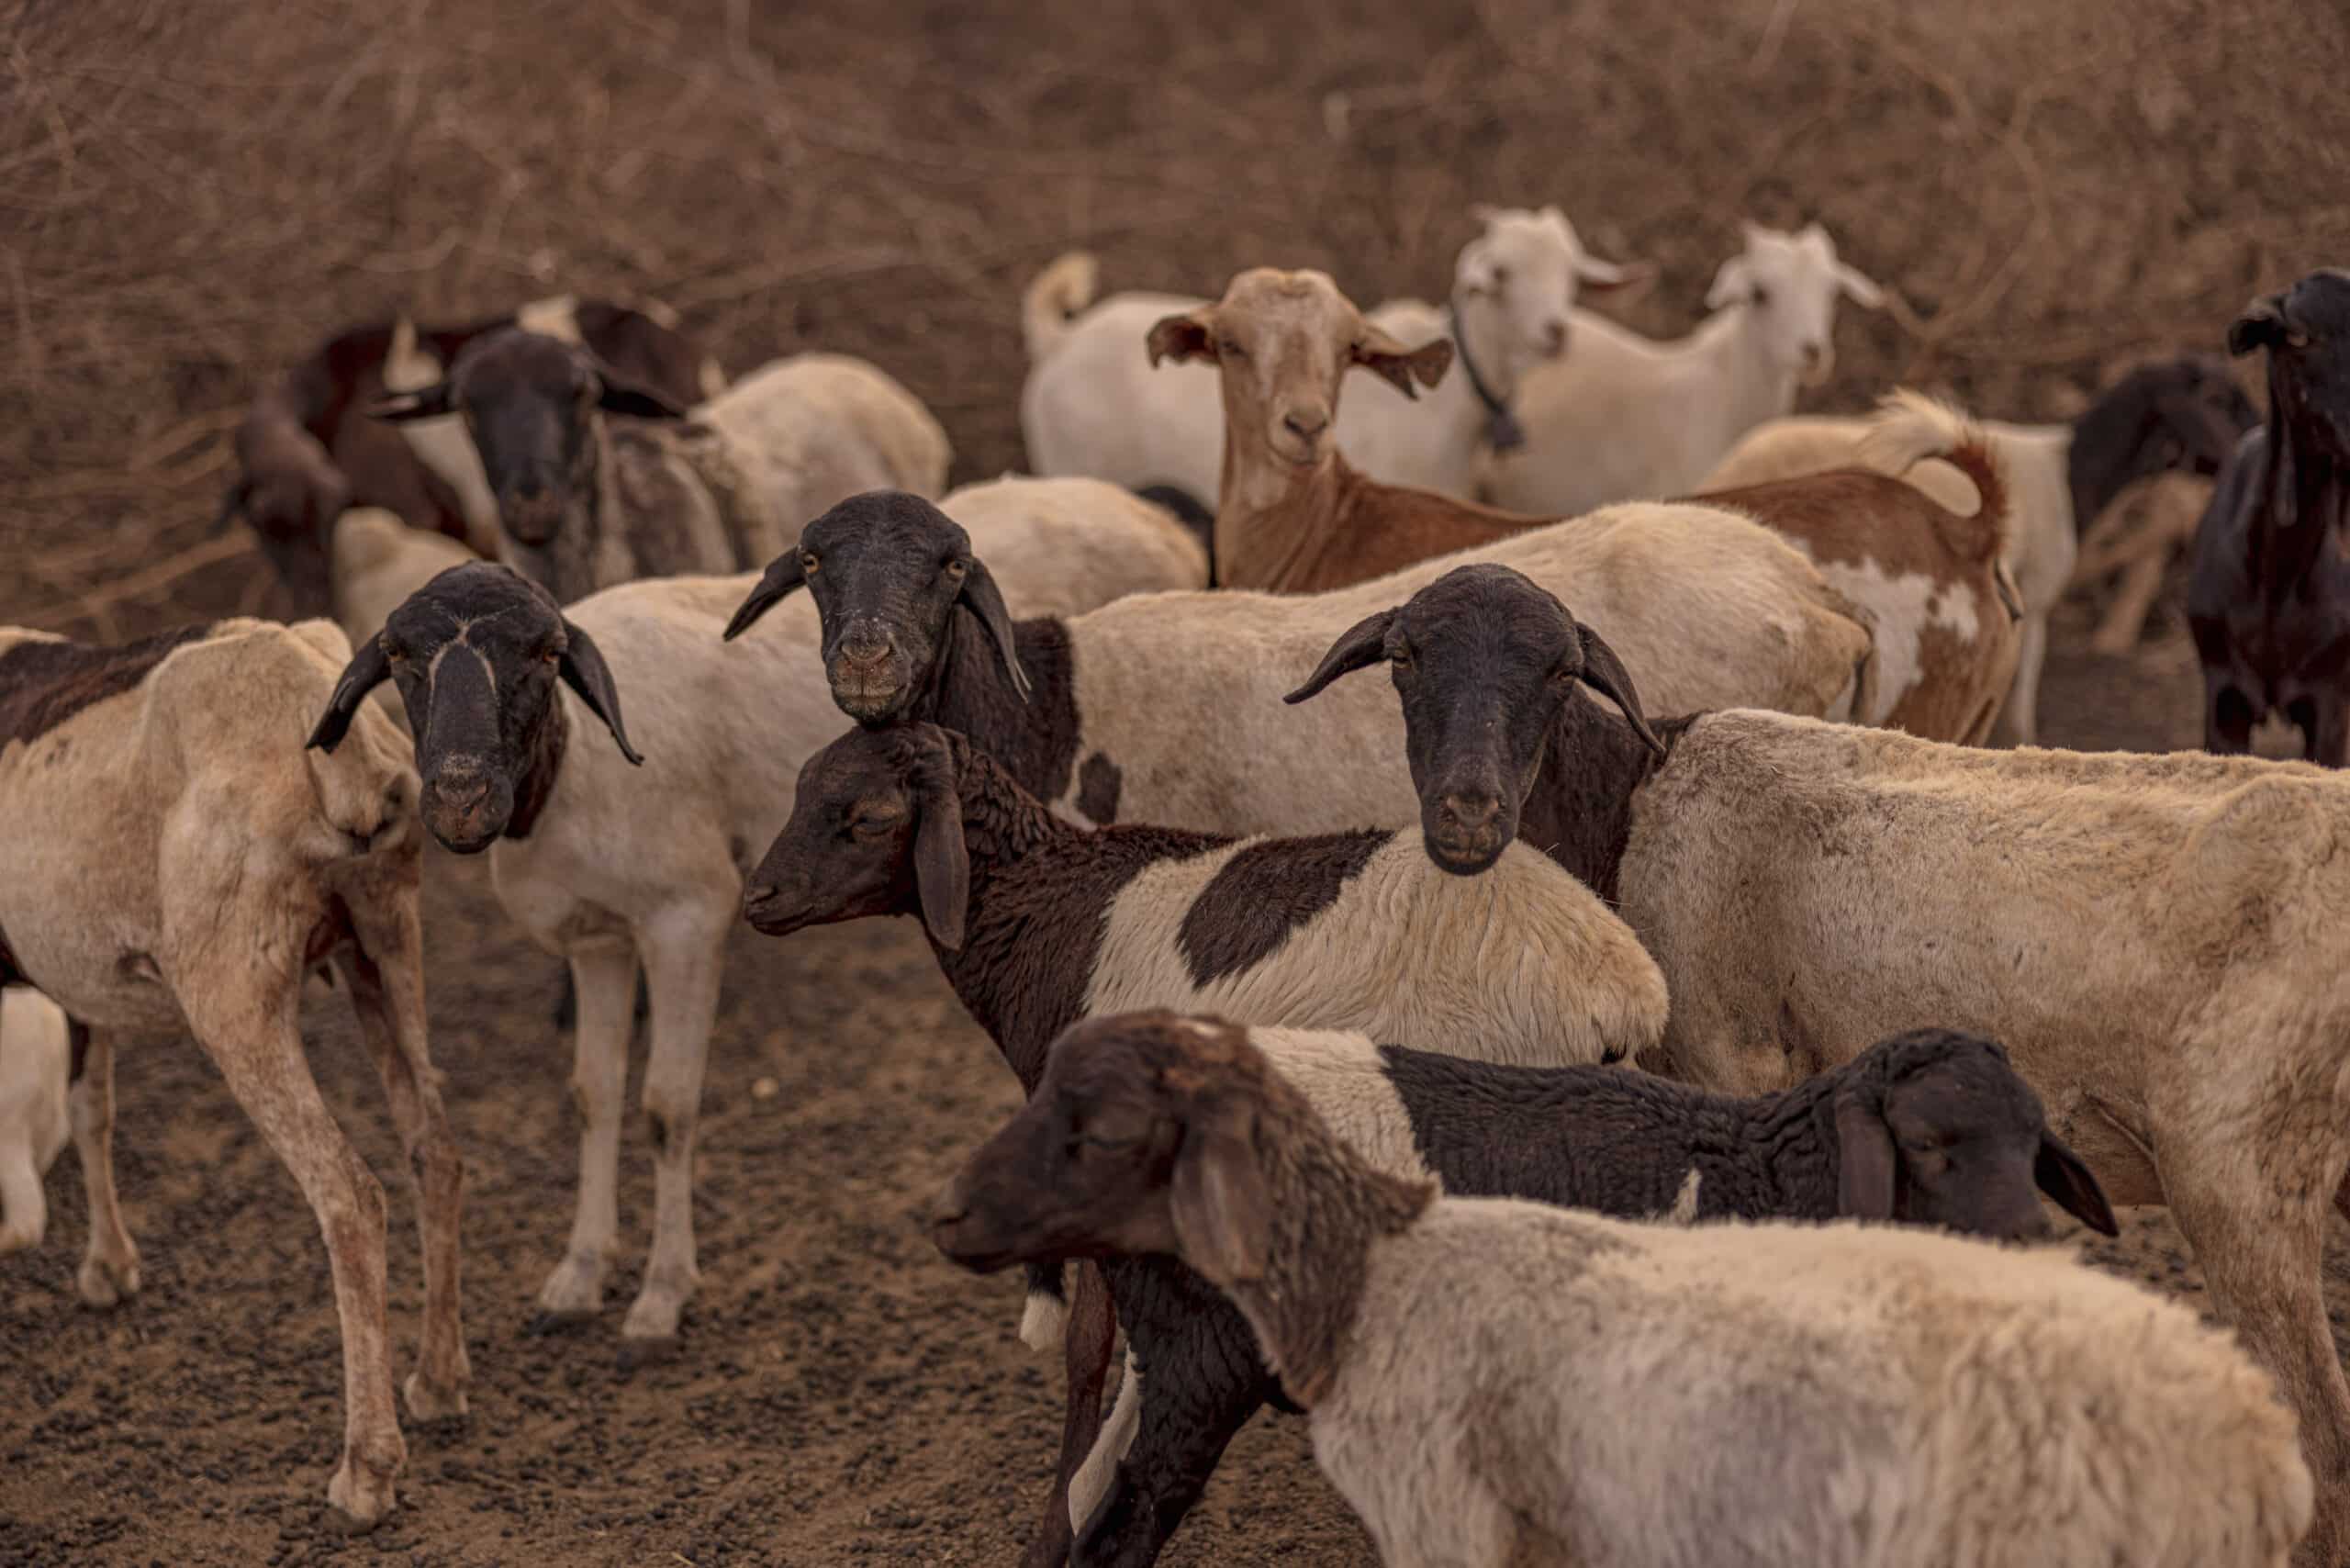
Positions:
(2268, 601)
(175, 860)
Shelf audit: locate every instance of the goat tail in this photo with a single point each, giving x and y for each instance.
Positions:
(1909, 428)
(1065, 287)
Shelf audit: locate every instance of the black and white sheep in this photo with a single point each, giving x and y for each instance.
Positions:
(175, 861)
(1495, 1382)
(608, 863)
(2268, 601)
(2156, 939)
(1163, 707)
(600, 480)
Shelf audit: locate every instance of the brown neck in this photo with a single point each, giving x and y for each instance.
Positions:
(1328, 1209)
(1273, 518)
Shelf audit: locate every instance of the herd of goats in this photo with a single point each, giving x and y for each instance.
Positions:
(1639, 1164)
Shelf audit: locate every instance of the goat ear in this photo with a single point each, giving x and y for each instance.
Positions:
(1604, 672)
(2065, 1177)
(2260, 326)
(1364, 642)
(1189, 335)
(1375, 350)
(942, 862)
(583, 669)
(424, 403)
(984, 600)
(1613, 278)
(619, 395)
(369, 668)
(1859, 287)
(1218, 1198)
(1732, 281)
(1863, 1156)
(783, 575)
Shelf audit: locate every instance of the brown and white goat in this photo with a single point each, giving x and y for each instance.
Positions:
(174, 859)
(1296, 518)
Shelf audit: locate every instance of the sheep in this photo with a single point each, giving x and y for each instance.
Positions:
(1160, 707)
(35, 1070)
(1931, 581)
(1035, 922)
(1931, 1127)
(2268, 601)
(1625, 416)
(174, 860)
(586, 500)
(1092, 406)
(2154, 938)
(2182, 413)
(1493, 1381)
(604, 862)
(301, 459)
(1076, 544)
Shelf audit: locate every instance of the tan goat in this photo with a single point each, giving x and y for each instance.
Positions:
(176, 860)
(1296, 516)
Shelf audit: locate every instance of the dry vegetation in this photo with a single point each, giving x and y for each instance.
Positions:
(197, 190)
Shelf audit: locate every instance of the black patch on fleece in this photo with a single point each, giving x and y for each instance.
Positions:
(1268, 889)
(1097, 788)
(43, 684)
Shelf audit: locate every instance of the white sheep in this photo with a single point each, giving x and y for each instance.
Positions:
(1094, 405)
(2156, 939)
(1493, 1381)
(34, 1121)
(174, 860)
(600, 480)
(626, 863)
(2181, 413)
(1625, 415)
(1073, 545)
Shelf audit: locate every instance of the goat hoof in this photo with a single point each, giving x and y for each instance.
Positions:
(543, 1323)
(359, 1500)
(104, 1282)
(647, 1352)
(427, 1404)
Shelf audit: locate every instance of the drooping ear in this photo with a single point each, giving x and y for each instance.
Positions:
(783, 575)
(1218, 1198)
(1191, 335)
(2260, 326)
(1613, 278)
(620, 395)
(1375, 350)
(2065, 1177)
(583, 669)
(369, 668)
(984, 600)
(1858, 286)
(1364, 642)
(941, 863)
(424, 403)
(1863, 1156)
(1733, 282)
(1604, 672)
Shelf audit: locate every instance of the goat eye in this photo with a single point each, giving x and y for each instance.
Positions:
(1501, 277)
(1761, 295)
(1227, 348)
(807, 564)
(551, 655)
(957, 569)
(2295, 338)
(1401, 658)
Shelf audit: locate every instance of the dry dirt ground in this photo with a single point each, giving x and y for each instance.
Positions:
(197, 190)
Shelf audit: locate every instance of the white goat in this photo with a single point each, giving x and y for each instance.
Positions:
(1626, 416)
(1094, 405)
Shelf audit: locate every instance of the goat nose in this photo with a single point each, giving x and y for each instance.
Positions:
(1472, 811)
(462, 790)
(757, 893)
(1306, 423)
